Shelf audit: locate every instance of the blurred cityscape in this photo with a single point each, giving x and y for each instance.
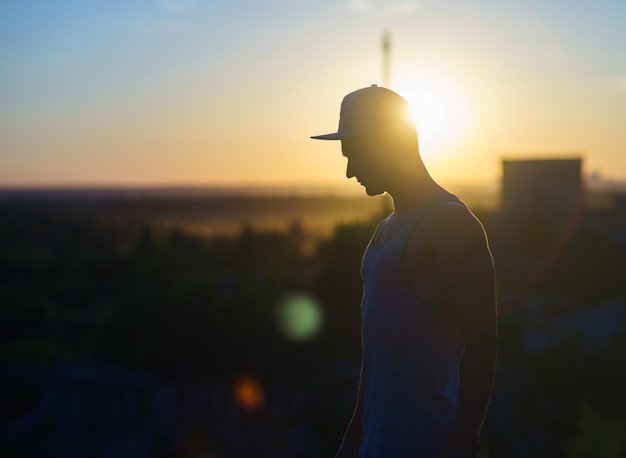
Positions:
(206, 323)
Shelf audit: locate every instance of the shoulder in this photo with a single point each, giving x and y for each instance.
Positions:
(453, 215)
(453, 230)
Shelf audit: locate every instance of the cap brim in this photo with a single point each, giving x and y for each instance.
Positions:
(333, 136)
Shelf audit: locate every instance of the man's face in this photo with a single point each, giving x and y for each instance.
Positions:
(366, 162)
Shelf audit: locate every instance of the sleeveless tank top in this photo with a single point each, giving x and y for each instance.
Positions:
(411, 351)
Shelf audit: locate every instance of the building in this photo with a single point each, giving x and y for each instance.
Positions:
(556, 183)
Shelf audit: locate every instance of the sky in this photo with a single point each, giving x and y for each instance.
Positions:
(193, 92)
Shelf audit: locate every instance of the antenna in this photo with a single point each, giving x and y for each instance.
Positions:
(386, 58)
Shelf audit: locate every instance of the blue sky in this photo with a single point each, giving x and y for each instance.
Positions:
(201, 92)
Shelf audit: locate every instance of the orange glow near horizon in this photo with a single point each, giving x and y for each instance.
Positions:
(154, 105)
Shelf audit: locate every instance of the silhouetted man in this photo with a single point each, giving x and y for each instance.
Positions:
(429, 307)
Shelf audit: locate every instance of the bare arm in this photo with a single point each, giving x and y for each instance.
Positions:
(354, 433)
(464, 264)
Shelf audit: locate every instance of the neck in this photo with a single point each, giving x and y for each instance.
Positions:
(413, 192)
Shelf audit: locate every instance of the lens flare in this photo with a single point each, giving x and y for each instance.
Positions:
(248, 393)
(299, 317)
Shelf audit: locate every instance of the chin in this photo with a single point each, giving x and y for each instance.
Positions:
(370, 191)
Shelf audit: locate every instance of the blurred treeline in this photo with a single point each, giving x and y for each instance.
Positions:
(76, 289)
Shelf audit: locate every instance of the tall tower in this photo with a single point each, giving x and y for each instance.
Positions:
(386, 59)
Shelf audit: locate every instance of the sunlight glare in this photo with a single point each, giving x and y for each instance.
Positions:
(439, 112)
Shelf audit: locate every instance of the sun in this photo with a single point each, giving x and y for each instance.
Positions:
(439, 111)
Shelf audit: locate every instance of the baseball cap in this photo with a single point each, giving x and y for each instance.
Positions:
(371, 110)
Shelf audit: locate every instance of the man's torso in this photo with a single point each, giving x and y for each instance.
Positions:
(411, 346)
